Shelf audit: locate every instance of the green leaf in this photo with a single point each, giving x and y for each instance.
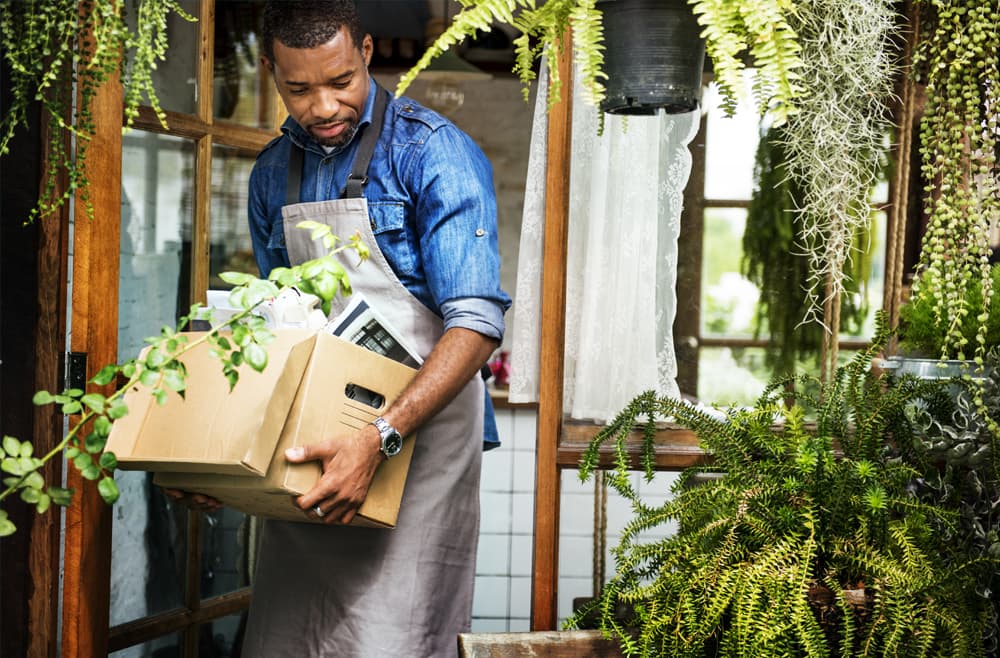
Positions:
(26, 449)
(241, 335)
(256, 356)
(94, 443)
(6, 527)
(42, 398)
(72, 452)
(105, 376)
(91, 472)
(108, 490)
(11, 482)
(232, 377)
(72, 407)
(12, 466)
(30, 496)
(149, 378)
(44, 501)
(74, 393)
(34, 480)
(117, 409)
(102, 425)
(61, 496)
(108, 461)
(223, 343)
(11, 446)
(237, 278)
(129, 369)
(160, 395)
(82, 460)
(174, 380)
(95, 401)
(155, 358)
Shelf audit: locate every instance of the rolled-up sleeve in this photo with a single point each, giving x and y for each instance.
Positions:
(457, 224)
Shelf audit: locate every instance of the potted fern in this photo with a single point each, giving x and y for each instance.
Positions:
(809, 540)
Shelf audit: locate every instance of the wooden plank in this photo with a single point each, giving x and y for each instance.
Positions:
(147, 628)
(687, 321)
(87, 579)
(248, 139)
(677, 447)
(545, 568)
(545, 644)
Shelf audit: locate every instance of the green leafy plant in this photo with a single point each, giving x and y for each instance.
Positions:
(925, 333)
(808, 541)
(733, 30)
(959, 131)
(59, 52)
(243, 338)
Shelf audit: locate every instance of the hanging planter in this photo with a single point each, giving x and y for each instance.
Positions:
(654, 56)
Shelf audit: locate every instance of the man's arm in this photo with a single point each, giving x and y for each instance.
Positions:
(349, 463)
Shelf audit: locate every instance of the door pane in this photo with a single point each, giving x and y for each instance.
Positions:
(149, 533)
(175, 78)
(168, 646)
(231, 250)
(242, 90)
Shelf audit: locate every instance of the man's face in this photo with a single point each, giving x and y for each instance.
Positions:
(324, 88)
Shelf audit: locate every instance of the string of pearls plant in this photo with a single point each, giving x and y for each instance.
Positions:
(956, 59)
(59, 53)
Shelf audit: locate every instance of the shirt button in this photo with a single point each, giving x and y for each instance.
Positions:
(480, 232)
(407, 108)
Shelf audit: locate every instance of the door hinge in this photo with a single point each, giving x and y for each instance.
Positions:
(76, 370)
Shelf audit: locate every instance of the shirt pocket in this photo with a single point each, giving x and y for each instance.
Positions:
(395, 239)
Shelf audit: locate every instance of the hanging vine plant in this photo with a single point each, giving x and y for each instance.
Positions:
(772, 261)
(956, 59)
(58, 53)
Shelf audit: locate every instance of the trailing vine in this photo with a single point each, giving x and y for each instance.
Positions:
(58, 54)
(959, 131)
(733, 29)
(242, 338)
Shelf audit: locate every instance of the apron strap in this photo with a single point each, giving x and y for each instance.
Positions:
(359, 169)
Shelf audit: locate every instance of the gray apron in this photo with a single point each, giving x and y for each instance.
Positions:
(341, 591)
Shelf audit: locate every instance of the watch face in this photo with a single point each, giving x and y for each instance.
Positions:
(392, 444)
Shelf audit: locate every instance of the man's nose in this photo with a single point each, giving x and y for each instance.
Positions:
(325, 103)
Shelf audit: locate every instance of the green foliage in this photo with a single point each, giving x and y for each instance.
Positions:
(734, 29)
(809, 540)
(959, 130)
(773, 261)
(243, 338)
(924, 332)
(54, 48)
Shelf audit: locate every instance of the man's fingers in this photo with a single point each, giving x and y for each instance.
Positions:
(320, 451)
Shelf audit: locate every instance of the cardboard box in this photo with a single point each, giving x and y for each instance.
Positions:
(335, 397)
(213, 430)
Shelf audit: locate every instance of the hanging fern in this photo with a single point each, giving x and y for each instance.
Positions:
(61, 50)
(810, 542)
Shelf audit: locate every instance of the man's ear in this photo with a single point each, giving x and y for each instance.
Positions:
(266, 63)
(367, 47)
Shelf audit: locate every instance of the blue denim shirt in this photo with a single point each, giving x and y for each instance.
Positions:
(431, 203)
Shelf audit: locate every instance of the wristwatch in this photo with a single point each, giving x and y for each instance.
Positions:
(392, 441)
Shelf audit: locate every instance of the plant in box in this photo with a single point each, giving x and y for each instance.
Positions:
(809, 540)
(242, 338)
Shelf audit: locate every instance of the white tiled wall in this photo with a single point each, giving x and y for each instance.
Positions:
(503, 572)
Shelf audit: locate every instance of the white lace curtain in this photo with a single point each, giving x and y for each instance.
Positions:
(626, 190)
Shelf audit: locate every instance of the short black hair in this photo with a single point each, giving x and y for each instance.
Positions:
(307, 24)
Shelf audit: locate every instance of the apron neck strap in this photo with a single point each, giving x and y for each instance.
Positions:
(359, 169)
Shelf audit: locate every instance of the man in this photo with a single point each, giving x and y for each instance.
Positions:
(420, 193)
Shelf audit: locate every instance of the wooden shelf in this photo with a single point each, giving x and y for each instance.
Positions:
(677, 447)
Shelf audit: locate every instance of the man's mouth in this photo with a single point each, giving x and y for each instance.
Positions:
(328, 130)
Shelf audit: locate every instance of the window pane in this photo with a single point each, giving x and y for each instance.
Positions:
(227, 537)
(221, 638)
(242, 89)
(729, 375)
(730, 148)
(147, 558)
(728, 299)
(175, 78)
(231, 250)
(162, 647)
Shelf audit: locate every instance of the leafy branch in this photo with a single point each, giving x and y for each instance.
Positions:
(241, 339)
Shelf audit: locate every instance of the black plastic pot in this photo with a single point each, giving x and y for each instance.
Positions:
(653, 56)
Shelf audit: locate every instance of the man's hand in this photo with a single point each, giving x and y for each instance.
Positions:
(195, 501)
(349, 464)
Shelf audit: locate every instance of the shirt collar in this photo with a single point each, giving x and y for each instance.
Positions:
(301, 137)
